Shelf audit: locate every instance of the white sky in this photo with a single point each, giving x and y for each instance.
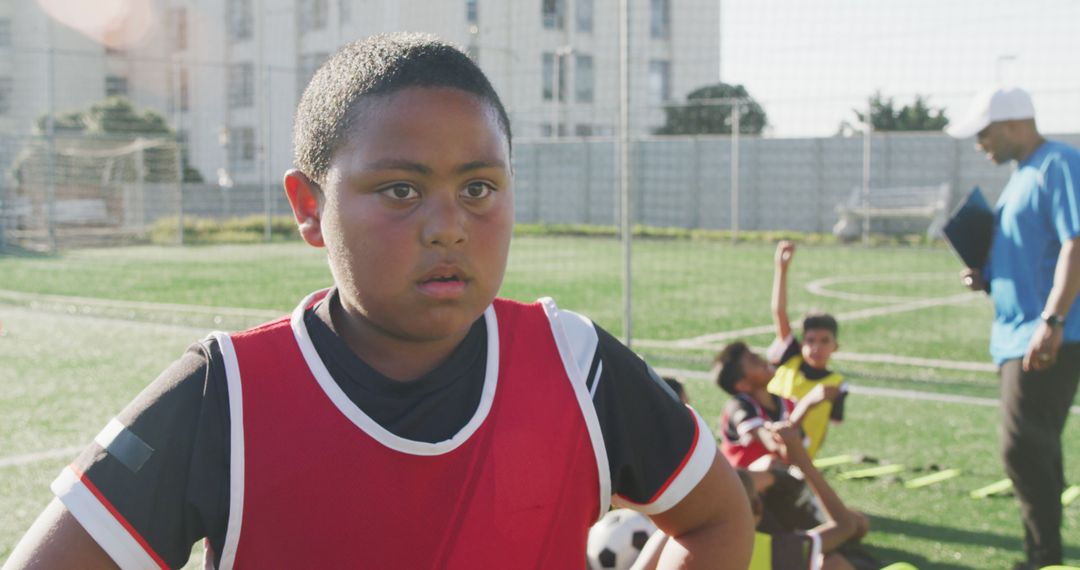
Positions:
(810, 62)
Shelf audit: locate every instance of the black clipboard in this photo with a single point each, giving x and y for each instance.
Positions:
(970, 229)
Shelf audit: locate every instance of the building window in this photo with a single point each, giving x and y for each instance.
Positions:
(583, 78)
(583, 130)
(5, 32)
(116, 86)
(241, 19)
(659, 81)
(179, 29)
(660, 19)
(313, 14)
(241, 149)
(554, 13)
(241, 85)
(547, 76)
(472, 11)
(7, 92)
(184, 89)
(306, 68)
(584, 15)
(344, 10)
(546, 130)
(552, 65)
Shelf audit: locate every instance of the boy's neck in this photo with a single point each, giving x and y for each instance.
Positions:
(763, 397)
(398, 359)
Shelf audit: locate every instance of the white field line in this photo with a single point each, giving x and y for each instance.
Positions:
(712, 340)
(32, 298)
(871, 391)
(34, 457)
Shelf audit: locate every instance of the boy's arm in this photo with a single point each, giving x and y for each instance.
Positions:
(712, 526)
(821, 393)
(785, 250)
(57, 540)
(843, 524)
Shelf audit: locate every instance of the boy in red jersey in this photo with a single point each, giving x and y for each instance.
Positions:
(404, 418)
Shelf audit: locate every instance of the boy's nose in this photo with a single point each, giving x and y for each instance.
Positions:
(444, 223)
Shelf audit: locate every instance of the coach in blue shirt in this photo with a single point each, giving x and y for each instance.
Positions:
(1034, 278)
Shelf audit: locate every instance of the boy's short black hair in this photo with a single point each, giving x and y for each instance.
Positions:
(378, 65)
(820, 321)
(729, 362)
(675, 386)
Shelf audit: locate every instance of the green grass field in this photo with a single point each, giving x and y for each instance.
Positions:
(71, 364)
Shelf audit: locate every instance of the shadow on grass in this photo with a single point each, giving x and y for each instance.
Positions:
(944, 534)
(891, 555)
(935, 533)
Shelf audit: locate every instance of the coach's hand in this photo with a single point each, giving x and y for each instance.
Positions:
(972, 279)
(1043, 349)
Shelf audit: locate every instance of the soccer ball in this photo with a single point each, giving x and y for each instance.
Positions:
(616, 540)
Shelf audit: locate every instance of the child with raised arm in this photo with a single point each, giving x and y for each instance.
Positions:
(812, 549)
(404, 417)
(802, 366)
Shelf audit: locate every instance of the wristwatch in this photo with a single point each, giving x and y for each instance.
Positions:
(1052, 320)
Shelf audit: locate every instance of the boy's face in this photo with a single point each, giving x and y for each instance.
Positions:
(417, 213)
(757, 372)
(818, 346)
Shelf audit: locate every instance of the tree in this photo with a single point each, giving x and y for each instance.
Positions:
(918, 116)
(117, 116)
(708, 111)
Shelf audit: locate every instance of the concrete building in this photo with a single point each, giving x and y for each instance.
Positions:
(227, 73)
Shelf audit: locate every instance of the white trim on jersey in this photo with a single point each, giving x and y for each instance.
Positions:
(96, 519)
(596, 379)
(236, 450)
(108, 434)
(576, 338)
(817, 554)
(689, 476)
(746, 429)
(367, 423)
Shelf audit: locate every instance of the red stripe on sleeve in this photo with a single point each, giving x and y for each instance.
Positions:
(119, 517)
(678, 469)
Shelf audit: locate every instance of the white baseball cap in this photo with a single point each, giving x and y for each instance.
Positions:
(991, 106)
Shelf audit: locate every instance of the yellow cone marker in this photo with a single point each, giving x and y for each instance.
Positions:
(1070, 495)
(834, 460)
(932, 478)
(872, 472)
(992, 489)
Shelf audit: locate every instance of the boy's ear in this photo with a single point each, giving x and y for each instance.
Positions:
(304, 197)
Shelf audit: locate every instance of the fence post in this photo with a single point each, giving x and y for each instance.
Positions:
(735, 172)
(868, 130)
(267, 141)
(50, 140)
(624, 172)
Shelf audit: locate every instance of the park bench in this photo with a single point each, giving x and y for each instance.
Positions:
(928, 203)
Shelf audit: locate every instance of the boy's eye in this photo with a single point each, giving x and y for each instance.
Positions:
(478, 190)
(400, 192)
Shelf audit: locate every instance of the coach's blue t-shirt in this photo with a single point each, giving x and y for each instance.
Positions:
(1037, 211)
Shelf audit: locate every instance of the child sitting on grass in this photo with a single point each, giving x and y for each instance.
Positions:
(745, 441)
(778, 549)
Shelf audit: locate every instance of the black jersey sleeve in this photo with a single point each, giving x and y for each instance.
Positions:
(150, 484)
(740, 418)
(658, 449)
